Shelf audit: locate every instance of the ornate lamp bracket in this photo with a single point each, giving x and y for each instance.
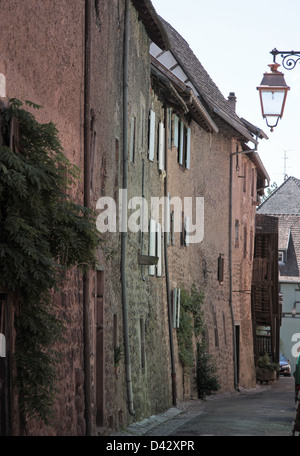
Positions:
(289, 58)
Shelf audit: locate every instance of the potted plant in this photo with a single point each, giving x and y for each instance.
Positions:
(266, 369)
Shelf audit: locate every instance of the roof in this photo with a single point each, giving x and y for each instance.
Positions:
(289, 241)
(284, 200)
(220, 109)
(152, 22)
(284, 203)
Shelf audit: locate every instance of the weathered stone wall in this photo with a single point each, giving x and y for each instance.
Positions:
(42, 58)
(148, 336)
(244, 208)
(197, 264)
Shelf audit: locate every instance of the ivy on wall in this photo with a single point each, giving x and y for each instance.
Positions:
(190, 331)
(43, 233)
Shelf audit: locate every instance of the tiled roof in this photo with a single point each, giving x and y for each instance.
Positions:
(208, 90)
(289, 240)
(284, 203)
(284, 200)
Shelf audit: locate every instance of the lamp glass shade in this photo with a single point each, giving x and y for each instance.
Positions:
(272, 102)
(273, 91)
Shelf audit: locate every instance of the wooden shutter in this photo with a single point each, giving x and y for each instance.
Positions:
(151, 135)
(181, 144)
(152, 244)
(158, 250)
(161, 147)
(175, 130)
(188, 149)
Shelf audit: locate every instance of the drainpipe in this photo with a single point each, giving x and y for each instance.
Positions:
(173, 372)
(87, 203)
(230, 261)
(124, 212)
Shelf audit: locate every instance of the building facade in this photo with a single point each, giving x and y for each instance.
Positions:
(141, 118)
(283, 204)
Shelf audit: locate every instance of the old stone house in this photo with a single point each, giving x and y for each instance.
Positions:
(142, 119)
(283, 204)
(221, 168)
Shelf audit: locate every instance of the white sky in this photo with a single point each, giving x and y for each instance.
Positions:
(233, 39)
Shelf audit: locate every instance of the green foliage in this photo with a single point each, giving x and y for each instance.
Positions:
(206, 379)
(118, 353)
(192, 326)
(191, 323)
(42, 234)
(264, 362)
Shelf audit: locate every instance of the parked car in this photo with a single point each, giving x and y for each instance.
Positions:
(285, 368)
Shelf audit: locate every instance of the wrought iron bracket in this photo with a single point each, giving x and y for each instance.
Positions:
(289, 58)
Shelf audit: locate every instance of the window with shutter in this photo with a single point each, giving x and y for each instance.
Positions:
(152, 244)
(132, 139)
(176, 307)
(151, 135)
(158, 250)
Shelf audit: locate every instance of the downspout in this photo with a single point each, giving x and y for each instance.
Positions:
(124, 211)
(236, 387)
(173, 372)
(87, 203)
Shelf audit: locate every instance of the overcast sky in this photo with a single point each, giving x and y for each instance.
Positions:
(233, 39)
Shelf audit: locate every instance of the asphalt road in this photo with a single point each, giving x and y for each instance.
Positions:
(267, 410)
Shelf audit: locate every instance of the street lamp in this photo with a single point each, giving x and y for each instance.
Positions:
(273, 91)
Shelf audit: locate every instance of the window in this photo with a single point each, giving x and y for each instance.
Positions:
(281, 256)
(182, 141)
(142, 340)
(252, 182)
(152, 244)
(245, 242)
(216, 331)
(176, 307)
(236, 233)
(221, 268)
(245, 177)
(132, 139)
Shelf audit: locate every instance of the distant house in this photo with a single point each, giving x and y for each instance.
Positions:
(284, 203)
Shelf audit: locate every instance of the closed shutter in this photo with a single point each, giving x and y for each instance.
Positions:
(151, 135)
(161, 147)
(175, 130)
(181, 143)
(174, 306)
(188, 149)
(158, 250)
(152, 244)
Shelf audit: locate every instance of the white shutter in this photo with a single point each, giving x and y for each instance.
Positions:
(158, 250)
(188, 149)
(175, 131)
(161, 147)
(178, 307)
(151, 135)
(174, 306)
(152, 244)
(181, 143)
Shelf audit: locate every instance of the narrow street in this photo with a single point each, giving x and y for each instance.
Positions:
(268, 410)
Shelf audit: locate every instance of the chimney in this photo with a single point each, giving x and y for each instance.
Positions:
(232, 100)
